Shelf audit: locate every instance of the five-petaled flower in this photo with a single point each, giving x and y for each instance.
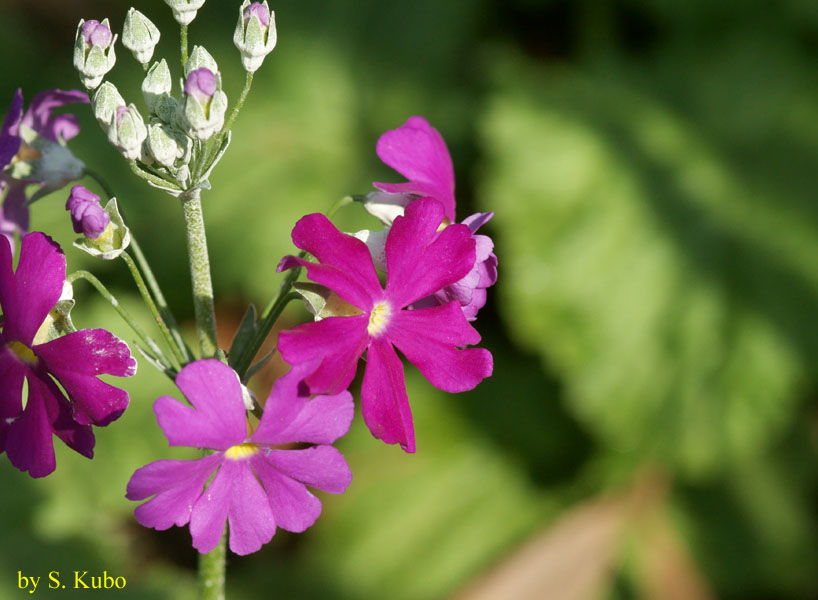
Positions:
(74, 361)
(256, 487)
(421, 259)
(417, 151)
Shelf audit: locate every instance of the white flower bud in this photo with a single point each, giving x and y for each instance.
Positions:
(105, 103)
(165, 144)
(157, 84)
(139, 35)
(201, 58)
(184, 11)
(255, 34)
(94, 51)
(128, 131)
(203, 104)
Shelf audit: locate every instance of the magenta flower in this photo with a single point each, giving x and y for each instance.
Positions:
(73, 361)
(417, 151)
(87, 215)
(43, 159)
(256, 487)
(420, 261)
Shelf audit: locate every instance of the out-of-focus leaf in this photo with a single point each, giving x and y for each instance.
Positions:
(639, 265)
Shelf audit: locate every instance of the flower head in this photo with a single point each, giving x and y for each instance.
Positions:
(87, 215)
(420, 261)
(73, 361)
(257, 486)
(417, 151)
(33, 151)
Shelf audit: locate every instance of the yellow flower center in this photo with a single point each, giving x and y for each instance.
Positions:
(241, 451)
(23, 353)
(379, 318)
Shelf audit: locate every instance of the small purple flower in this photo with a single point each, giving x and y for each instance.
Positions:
(75, 361)
(97, 34)
(259, 10)
(420, 261)
(55, 165)
(256, 487)
(201, 83)
(417, 151)
(87, 215)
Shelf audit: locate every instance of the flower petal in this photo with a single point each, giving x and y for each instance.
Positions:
(417, 151)
(417, 266)
(342, 283)
(317, 235)
(338, 341)
(176, 486)
(250, 517)
(38, 116)
(322, 467)
(76, 436)
(384, 403)
(429, 339)
(210, 510)
(14, 212)
(290, 415)
(9, 134)
(12, 374)
(29, 444)
(294, 507)
(217, 419)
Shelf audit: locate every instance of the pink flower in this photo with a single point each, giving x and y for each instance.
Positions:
(256, 487)
(417, 151)
(420, 262)
(74, 361)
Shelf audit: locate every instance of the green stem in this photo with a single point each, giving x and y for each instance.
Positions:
(229, 123)
(183, 43)
(178, 356)
(147, 176)
(126, 316)
(211, 572)
(101, 181)
(203, 306)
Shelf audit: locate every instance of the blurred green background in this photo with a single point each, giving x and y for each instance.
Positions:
(651, 427)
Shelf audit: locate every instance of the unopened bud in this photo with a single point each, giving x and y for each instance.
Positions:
(94, 51)
(128, 131)
(255, 34)
(105, 103)
(184, 11)
(139, 35)
(87, 215)
(203, 104)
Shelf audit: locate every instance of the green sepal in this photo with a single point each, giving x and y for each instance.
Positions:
(244, 336)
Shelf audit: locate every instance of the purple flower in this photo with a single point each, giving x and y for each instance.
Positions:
(256, 487)
(52, 164)
(201, 83)
(260, 11)
(417, 151)
(73, 361)
(87, 215)
(420, 261)
(97, 34)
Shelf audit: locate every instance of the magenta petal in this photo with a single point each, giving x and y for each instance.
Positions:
(290, 416)
(14, 212)
(9, 134)
(342, 283)
(217, 419)
(429, 339)
(29, 442)
(12, 374)
(384, 403)
(250, 517)
(77, 436)
(294, 507)
(317, 235)
(210, 510)
(321, 467)
(417, 151)
(338, 341)
(477, 220)
(36, 288)
(38, 116)
(176, 484)
(418, 266)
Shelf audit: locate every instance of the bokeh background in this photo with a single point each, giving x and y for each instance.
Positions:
(651, 427)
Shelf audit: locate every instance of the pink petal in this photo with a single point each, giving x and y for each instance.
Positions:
(294, 508)
(250, 517)
(36, 286)
(77, 436)
(429, 339)
(38, 116)
(176, 484)
(417, 151)
(29, 444)
(217, 419)
(290, 416)
(12, 374)
(321, 467)
(9, 134)
(210, 510)
(338, 341)
(317, 235)
(384, 403)
(418, 266)
(14, 212)
(342, 283)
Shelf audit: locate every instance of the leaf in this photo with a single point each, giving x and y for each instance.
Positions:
(244, 336)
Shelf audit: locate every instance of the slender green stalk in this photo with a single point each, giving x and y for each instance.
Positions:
(178, 355)
(248, 82)
(203, 306)
(164, 309)
(126, 316)
(101, 181)
(183, 44)
(155, 179)
(211, 572)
